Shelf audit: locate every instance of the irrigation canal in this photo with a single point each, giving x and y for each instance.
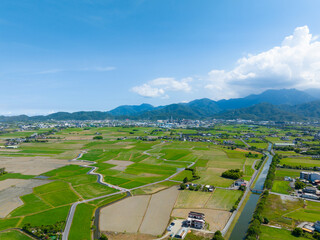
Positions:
(240, 229)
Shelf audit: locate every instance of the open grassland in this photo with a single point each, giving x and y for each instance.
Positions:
(13, 235)
(281, 187)
(287, 213)
(269, 233)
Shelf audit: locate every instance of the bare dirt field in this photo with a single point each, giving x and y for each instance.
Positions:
(127, 236)
(32, 165)
(9, 196)
(146, 214)
(120, 165)
(125, 215)
(217, 219)
(158, 214)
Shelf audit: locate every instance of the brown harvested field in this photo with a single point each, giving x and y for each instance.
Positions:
(128, 236)
(32, 165)
(120, 165)
(158, 214)
(9, 197)
(146, 214)
(243, 150)
(217, 219)
(125, 215)
(10, 182)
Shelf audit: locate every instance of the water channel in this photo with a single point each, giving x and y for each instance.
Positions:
(240, 229)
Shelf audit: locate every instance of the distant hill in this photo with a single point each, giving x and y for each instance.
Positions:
(275, 97)
(130, 110)
(276, 105)
(261, 112)
(314, 92)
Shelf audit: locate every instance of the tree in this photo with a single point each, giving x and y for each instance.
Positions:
(299, 185)
(297, 232)
(103, 237)
(316, 235)
(265, 220)
(217, 236)
(191, 187)
(185, 180)
(97, 138)
(182, 186)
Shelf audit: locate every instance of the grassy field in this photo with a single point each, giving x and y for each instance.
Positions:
(12, 234)
(281, 187)
(304, 162)
(223, 199)
(268, 233)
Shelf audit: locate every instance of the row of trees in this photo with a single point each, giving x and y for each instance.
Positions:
(272, 171)
(254, 228)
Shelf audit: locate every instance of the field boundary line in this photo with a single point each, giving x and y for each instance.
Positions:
(145, 212)
(20, 220)
(75, 192)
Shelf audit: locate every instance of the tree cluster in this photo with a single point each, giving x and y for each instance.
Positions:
(232, 174)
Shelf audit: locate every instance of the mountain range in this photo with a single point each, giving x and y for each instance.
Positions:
(273, 105)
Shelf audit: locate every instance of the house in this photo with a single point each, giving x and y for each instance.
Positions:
(195, 223)
(310, 196)
(196, 215)
(196, 220)
(239, 182)
(311, 190)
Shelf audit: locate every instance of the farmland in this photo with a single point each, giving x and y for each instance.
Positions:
(139, 158)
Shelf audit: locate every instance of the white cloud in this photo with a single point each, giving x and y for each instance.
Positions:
(160, 86)
(294, 64)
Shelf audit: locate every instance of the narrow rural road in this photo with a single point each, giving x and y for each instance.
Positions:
(72, 210)
(245, 142)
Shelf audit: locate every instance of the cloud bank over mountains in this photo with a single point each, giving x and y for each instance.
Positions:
(293, 64)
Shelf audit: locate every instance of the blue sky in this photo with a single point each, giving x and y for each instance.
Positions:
(95, 55)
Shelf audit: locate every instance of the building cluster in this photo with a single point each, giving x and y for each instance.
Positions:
(310, 227)
(311, 192)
